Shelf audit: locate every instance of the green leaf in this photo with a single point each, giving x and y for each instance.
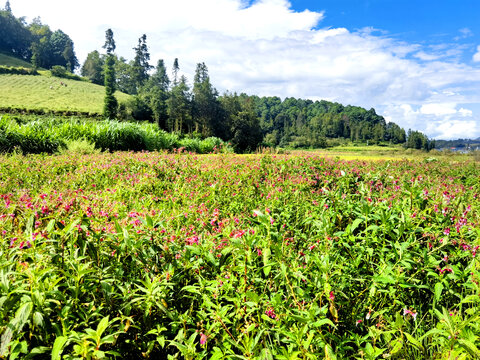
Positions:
(329, 354)
(355, 224)
(438, 291)
(58, 347)
(16, 325)
(266, 258)
(414, 341)
(470, 347)
(102, 325)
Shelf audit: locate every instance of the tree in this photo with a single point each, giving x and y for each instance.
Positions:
(241, 117)
(93, 67)
(179, 108)
(206, 108)
(7, 7)
(61, 51)
(40, 43)
(156, 94)
(110, 102)
(124, 78)
(175, 70)
(140, 65)
(15, 39)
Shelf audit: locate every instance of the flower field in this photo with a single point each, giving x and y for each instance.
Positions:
(221, 256)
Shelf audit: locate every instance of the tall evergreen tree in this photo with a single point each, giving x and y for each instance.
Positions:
(110, 102)
(206, 107)
(175, 70)
(140, 65)
(179, 107)
(156, 94)
(7, 7)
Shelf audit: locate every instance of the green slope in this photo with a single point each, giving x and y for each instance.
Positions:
(12, 61)
(46, 93)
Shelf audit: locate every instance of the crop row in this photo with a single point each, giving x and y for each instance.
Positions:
(134, 255)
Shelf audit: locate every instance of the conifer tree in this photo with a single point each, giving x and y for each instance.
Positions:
(110, 102)
(140, 66)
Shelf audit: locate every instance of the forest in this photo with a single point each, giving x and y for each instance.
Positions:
(198, 110)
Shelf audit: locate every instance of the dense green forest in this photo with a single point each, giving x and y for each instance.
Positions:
(198, 110)
(35, 42)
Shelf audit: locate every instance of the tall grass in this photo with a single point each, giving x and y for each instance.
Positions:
(50, 135)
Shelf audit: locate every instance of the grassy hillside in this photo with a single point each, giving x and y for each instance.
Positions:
(12, 61)
(47, 93)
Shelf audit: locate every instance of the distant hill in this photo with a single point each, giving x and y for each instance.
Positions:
(48, 93)
(459, 144)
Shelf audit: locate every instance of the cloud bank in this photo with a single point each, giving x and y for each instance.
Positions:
(266, 48)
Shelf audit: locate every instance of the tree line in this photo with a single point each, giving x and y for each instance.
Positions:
(35, 42)
(245, 120)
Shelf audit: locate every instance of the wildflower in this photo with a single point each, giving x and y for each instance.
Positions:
(271, 313)
(332, 295)
(407, 312)
(359, 322)
(203, 338)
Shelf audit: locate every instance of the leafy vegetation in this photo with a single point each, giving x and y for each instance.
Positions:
(54, 134)
(149, 255)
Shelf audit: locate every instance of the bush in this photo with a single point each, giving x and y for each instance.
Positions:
(61, 72)
(79, 147)
(17, 70)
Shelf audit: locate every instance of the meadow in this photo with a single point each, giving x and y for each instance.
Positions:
(45, 93)
(224, 256)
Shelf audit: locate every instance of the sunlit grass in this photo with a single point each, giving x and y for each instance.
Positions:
(47, 93)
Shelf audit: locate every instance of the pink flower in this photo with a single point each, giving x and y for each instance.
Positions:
(203, 338)
(332, 295)
(270, 313)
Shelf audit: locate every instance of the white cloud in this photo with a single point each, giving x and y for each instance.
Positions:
(476, 56)
(267, 48)
(438, 109)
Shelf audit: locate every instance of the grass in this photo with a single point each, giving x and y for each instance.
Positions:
(48, 94)
(12, 61)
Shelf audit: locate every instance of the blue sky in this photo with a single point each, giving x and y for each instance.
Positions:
(416, 62)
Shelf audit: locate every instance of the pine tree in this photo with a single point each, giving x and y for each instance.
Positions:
(156, 94)
(110, 102)
(175, 70)
(7, 7)
(140, 66)
(206, 108)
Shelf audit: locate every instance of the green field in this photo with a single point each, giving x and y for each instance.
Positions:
(48, 94)
(12, 61)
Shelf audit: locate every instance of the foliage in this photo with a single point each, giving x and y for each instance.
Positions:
(17, 70)
(54, 134)
(148, 255)
(93, 68)
(62, 72)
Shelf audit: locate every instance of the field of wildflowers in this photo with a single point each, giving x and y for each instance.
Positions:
(222, 256)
